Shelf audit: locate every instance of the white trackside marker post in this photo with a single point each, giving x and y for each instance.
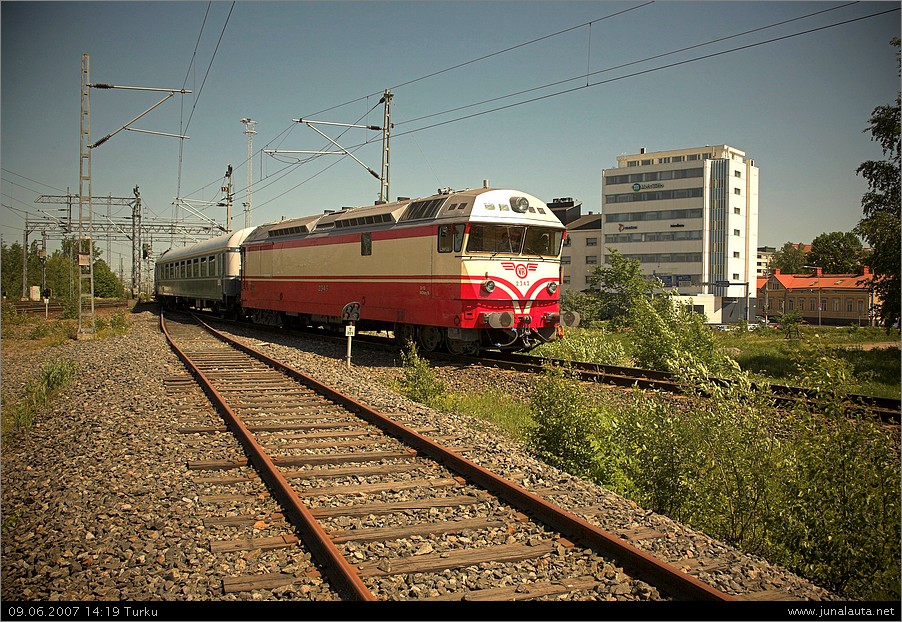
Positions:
(349, 331)
(350, 314)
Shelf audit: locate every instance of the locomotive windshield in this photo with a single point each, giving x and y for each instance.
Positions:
(512, 240)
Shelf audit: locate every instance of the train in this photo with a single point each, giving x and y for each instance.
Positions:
(462, 270)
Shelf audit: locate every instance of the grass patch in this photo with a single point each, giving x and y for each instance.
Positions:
(38, 393)
(499, 409)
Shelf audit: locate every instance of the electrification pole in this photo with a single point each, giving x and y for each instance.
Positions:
(85, 211)
(249, 126)
(386, 135)
(136, 244)
(85, 245)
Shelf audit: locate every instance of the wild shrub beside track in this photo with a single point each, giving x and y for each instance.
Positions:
(812, 489)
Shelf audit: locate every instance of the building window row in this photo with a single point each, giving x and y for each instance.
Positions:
(660, 195)
(661, 257)
(633, 178)
(851, 305)
(668, 159)
(653, 236)
(667, 214)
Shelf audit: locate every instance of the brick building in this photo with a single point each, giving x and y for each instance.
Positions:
(822, 299)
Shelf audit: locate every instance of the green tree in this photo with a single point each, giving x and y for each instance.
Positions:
(106, 284)
(836, 253)
(11, 270)
(619, 284)
(60, 276)
(587, 305)
(790, 259)
(880, 226)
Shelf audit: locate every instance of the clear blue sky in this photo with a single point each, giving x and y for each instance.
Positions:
(798, 106)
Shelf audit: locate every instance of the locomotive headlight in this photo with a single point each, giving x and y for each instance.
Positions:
(519, 204)
(552, 287)
(488, 286)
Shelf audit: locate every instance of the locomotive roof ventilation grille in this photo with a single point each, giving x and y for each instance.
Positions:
(287, 231)
(427, 208)
(363, 220)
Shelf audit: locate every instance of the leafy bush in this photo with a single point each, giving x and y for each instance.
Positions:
(658, 457)
(587, 305)
(12, 316)
(567, 429)
(418, 381)
(665, 335)
(841, 523)
(118, 322)
(815, 489)
(70, 309)
(594, 346)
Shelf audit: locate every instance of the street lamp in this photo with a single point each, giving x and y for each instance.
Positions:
(817, 272)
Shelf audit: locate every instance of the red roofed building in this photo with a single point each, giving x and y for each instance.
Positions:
(822, 299)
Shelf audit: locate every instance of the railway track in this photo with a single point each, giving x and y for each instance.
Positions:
(886, 409)
(378, 503)
(56, 307)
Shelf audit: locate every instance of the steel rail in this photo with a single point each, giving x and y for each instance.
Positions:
(888, 410)
(672, 580)
(346, 578)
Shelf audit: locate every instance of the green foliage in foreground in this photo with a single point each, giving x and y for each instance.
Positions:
(37, 394)
(419, 382)
(815, 489)
(594, 346)
(815, 492)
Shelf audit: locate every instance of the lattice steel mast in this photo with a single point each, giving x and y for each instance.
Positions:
(85, 250)
(249, 126)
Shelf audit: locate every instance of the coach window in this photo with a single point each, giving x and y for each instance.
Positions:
(203, 266)
(366, 243)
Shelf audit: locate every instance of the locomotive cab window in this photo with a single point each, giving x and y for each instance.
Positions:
(543, 241)
(366, 244)
(450, 237)
(508, 240)
(495, 239)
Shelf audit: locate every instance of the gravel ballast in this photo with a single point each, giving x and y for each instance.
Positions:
(98, 504)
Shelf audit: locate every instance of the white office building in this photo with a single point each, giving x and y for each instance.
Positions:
(690, 216)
